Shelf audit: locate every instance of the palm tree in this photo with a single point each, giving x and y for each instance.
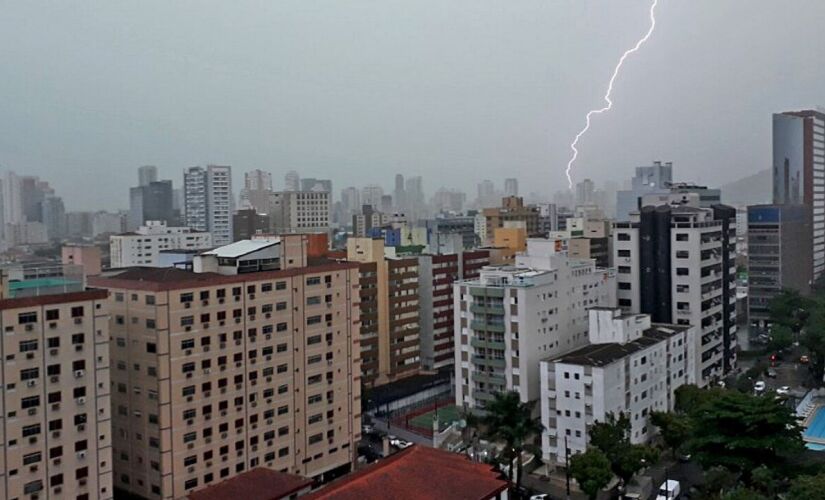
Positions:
(509, 421)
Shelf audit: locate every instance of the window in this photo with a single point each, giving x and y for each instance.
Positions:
(682, 236)
(31, 430)
(53, 342)
(28, 345)
(30, 402)
(266, 287)
(624, 286)
(624, 236)
(280, 285)
(682, 271)
(77, 312)
(151, 348)
(187, 321)
(313, 320)
(314, 339)
(150, 300)
(316, 438)
(186, 297)
(187, 344)
(313, 280)
(78, 338)
(682, 254)
(624, 269)
(27, 318)
(280, 306)
(311, 301)
(624, 253)
(52, 315)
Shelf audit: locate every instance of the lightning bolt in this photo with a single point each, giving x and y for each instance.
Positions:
(609, 91)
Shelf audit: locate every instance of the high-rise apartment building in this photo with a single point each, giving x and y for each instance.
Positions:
(631, 366)
(585, 191)
(371, 195)
(152, 202)
(779, 256)
(799, 172)
(486, 194)
(207, 201)
(256, 190)
(214, 375)
(677, 264)
(511, 187)
(247, 223)
(511, 317)
(292, 181)
(55, 434)
(436, 275)
(587, 239)
(313, 184)
(299, 212)
(654, 179)
(147, 174)
(390, 332)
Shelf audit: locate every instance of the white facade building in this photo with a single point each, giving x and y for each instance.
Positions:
(299, 212)
(143, 246)
(631, 367)
(511, 317)
(207, 194)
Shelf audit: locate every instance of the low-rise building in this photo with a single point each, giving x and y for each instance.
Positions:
(631, 366)
(143, 246)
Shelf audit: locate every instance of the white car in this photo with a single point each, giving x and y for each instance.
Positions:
(669, 490)
(783, 391)
(759, 386)
(400, 443)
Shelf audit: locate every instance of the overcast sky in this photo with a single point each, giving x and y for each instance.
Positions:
(455, 91)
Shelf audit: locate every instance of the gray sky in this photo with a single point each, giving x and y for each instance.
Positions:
(456, 90)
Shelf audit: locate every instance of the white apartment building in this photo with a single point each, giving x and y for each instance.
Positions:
(678, 264)
(632, 366)
(143, 246)
(299, 212)
(511, 317)
(207, 199)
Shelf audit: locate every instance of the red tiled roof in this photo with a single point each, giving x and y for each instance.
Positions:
(418, 473)
(256, 484)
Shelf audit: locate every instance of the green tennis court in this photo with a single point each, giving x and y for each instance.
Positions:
(446, 415)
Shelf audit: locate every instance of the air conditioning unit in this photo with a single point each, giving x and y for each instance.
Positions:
(57, 490)
(56, 461)
(29, 328)
(53, 352)
(32, 411)
(29, 355)
(53, 325)
(223, 435)
(206, 371)
(81, 427)
(269, 358)
(190, 469)
(238, 342)
(237, 320)
(187, 305)
(31, 383)
(56, 434)
(78, 321)
(221, 300)
(252, 318)
(188, 328)
(268, 315)
(190, 421)
(82, 482)
(54, 379)
(205, 303)
(81, 400)
(78, 347)
(81, 455)
(187, 352)
(79, 373)
(55, 406)
(206, 348)
(32, 439)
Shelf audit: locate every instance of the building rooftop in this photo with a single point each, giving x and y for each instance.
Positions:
(418, 473)
(257, 484)
(241, 248)
(599, 355)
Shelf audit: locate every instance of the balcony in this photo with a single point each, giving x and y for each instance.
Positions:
(488, 378)
(485, 326)
(493, 362)
(487, 344)
(487, 309)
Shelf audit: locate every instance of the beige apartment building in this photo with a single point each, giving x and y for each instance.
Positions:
(55, 426)
(390, 329)
(216, 374)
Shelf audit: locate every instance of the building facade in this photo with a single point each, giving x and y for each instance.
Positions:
(631, 366)
(207, 200)
(511, 317)
(779, 256)
(799, 172)
(55, 434)
(214, 375)
(143, 246)
(678, 264)
(654, 179)
(299, 212)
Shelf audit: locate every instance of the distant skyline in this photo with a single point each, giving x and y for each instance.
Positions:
(357, 91)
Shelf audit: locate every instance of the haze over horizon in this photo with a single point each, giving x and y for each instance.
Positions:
(456, 92)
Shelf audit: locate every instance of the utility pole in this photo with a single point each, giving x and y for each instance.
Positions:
(567, 467)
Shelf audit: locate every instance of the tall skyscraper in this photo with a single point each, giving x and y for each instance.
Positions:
(511, 187)
(208, 201)
(371, 195)
(317, 185)
(256, 190)
(414, 194)
(292, 181)
(585, 192)
(152, 202)
(398, 193)
(655, 179)
(486, 194)
(147, 174)
(12, 199)
(799, 171)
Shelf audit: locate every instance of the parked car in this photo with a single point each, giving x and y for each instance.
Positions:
(783, 391)
(400, 443)
(770, 372)
(804, 359)
(759, 386)
(669, 490)
(367, 429)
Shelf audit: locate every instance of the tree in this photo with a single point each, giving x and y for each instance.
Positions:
(508, 421)
(591, 470)
(789, 308)
(673, 427)
(807, 488)
(741, 432)
(612, 437)
(813, 339)
(764, 480)
(717, 480)
(740, 493)
(781, 338)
